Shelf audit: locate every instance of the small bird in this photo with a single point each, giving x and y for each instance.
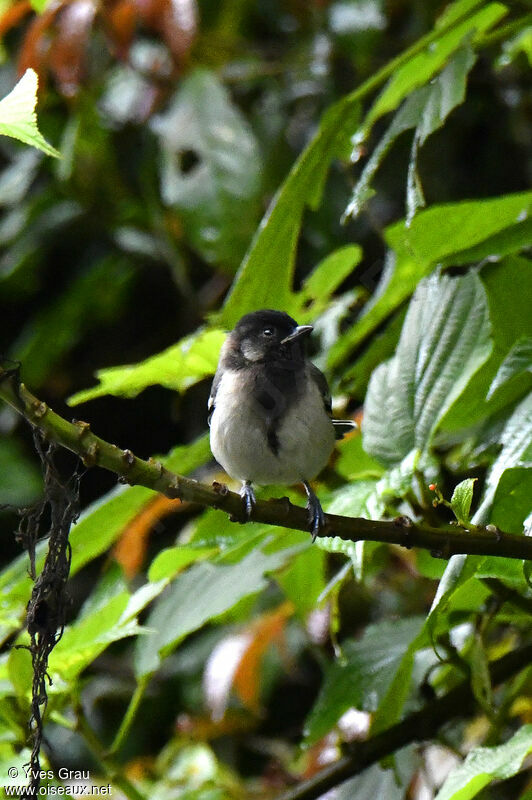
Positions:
(270, 409)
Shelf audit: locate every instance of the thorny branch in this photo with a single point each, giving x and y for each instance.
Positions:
(442, 542)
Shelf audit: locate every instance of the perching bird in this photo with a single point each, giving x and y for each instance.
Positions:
(269, 409)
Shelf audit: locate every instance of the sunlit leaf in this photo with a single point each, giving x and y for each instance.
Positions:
(17, 114)
(486, 764)
(462, 499)
(178, 367)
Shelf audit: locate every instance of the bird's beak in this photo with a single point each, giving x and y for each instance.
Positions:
(300, 330)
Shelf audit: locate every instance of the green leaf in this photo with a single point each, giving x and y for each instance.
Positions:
(326, 277)
(426, 110)
(17, 114)
(356, 499)
(510, 320)
(462, 498)
(446, 231)
(420, 69)
(445, 339)
(178, 367)
(266, 276)
(517, 363)
(204, 591)
(169, 562)
(516, 440)
(364, 676)
(21, 478)
(480, 673)
(452, 233)
(486, 764)
(511, 502)
(93, 298)
(304, 579)
(377, 782)
(218, 193)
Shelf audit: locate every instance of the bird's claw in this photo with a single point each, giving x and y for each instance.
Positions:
(248, 496)
(315, 513)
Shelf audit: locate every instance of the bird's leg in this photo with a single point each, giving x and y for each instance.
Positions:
(248, 495)
(315, 511)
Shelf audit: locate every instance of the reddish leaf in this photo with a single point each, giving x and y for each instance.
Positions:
(68, 53)
(13, 14)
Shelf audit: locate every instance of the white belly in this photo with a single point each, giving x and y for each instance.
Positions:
(239, 443)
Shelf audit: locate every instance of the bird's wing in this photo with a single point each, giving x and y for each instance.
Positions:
(341, 426)
(212, 397)
(321, 382)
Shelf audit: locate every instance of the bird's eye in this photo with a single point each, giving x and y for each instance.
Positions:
(268, 332)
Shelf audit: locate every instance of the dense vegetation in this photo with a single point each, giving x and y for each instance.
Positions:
(386, 148)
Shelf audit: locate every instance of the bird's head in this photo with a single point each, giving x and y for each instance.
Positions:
(269, 335)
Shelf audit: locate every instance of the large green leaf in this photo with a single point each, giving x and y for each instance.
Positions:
(486, 764)
(178, 367)
(511, 320)
(201, 593)
(17, 114)
(420, 69)
(517, 363)
(217, 192)
(266, 276)
(516, 451)
(445, 339)
(512, 502)
(362, 678)
(452, 233)
(425, 110)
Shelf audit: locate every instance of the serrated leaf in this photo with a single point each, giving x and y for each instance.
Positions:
(204, 591)
(364, 676)
(462, 498)
(517, 362)
(486, 764)
(516, 440)
(444, 341)
(178, 367)
(512, 500)
(18, 118)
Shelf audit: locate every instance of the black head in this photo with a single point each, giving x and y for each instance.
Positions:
(269, 335)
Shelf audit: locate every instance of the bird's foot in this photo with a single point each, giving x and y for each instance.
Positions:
(248, 496)
(315, 512)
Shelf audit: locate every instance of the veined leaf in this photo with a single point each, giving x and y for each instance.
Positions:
(18, 118)
(178, 367)
(462, 499)
(516, 451)
(486, 764)
(445, 339)
(204, 591)
(425, 110)
(517, 363)
(362, 679)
